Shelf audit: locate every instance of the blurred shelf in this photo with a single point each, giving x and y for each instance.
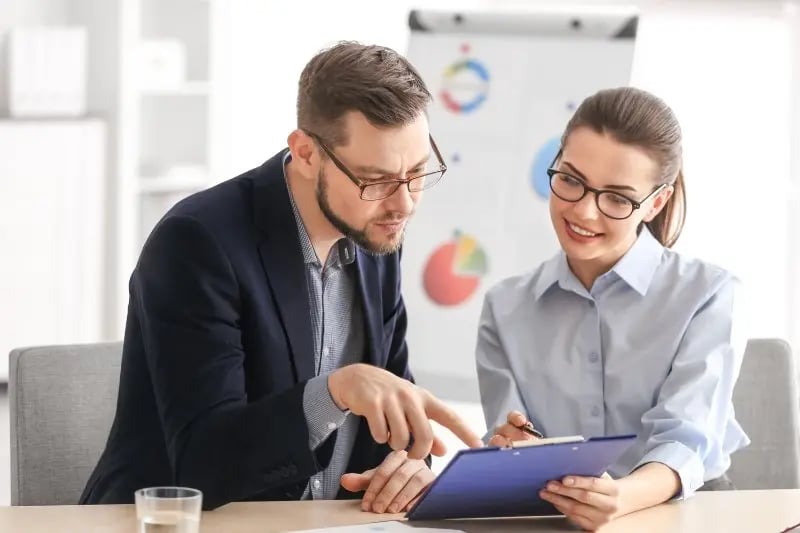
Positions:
(83, 119)
(190, 88)
(168, 184)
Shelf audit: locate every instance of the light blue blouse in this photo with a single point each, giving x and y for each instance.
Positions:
(653, 349)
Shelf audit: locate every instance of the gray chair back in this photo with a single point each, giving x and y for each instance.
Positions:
(766, 403)
(62, 401)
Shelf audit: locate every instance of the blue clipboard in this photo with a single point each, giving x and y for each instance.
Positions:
(500, 482)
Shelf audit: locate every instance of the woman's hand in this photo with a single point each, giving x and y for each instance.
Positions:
(589, 502)
(503, 435)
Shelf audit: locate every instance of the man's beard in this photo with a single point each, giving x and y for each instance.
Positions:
(358, 236)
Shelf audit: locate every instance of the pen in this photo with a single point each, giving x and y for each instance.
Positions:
(791, 528)
(530, 430)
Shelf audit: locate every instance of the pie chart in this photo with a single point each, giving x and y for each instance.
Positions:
(465, 86)
(454, 270)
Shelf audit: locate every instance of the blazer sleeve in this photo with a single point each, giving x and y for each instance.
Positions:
(188, 300)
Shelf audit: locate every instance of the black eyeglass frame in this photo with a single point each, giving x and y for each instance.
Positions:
(551, 172)
(398, 182)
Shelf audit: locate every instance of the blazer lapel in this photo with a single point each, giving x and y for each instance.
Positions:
(370, 291)
(282, 260)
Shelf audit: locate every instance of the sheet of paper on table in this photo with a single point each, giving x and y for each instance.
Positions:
(380, 527)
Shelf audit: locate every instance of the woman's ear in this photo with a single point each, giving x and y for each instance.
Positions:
(659, 202)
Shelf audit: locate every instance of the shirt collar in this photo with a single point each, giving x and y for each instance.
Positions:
(343, 253)
(636, 268)
(552, 271)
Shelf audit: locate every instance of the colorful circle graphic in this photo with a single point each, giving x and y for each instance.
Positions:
(465, 86)
(454, 270)
(544, 158)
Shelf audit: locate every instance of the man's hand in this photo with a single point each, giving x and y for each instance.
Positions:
(589, 502)
(503, 435)
(396, 410)
(392, 487)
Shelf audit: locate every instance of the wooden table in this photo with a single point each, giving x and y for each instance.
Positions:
(724, 512)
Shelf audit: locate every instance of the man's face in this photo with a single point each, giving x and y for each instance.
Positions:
(371, 155)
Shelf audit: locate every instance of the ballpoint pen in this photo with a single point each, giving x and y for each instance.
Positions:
(791, 528)
(528, 428)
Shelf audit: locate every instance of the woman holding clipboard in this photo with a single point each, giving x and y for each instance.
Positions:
(618, 333)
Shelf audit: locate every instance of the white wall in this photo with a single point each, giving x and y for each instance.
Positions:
(733, 95)
(793, 12)
(271, 43)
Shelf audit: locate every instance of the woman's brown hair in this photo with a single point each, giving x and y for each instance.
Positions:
(636, 117)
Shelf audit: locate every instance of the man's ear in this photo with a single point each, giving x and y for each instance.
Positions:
(305, 156)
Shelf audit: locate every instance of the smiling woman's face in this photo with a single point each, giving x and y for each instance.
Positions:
(600, 161)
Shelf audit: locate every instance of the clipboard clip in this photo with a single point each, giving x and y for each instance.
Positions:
(546, 441)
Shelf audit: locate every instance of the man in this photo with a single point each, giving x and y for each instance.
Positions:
(265, 351)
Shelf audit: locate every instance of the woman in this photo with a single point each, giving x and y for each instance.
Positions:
(618, 334)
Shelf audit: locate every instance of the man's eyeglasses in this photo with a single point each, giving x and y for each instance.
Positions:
(611, 203)
(378, 190)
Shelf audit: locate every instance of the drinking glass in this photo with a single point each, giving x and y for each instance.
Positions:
(168, 510)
